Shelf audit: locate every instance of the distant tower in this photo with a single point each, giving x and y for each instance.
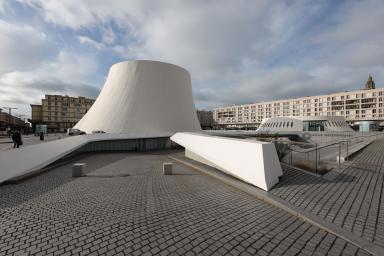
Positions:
(370, 83)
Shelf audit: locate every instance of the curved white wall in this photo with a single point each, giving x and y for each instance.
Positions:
(143, 98)
(295, 124)
(280, 124)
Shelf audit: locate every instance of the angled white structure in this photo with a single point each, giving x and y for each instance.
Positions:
(147, 98)
(28, 159)
(297, 124)
(252, 161)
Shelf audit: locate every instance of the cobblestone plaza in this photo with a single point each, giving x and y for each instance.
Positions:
(125, 206)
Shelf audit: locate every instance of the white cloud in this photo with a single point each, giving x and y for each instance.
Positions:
(32, 64)
(77, 14)
(108, 36)
(22, 47)
(3, 6)
(237, 51)
(89, 41)
(69, 74)
(206, 37)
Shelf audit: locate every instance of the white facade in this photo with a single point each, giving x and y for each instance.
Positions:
(362, 105)
(252, 161)
(300, 124)
(143, 98)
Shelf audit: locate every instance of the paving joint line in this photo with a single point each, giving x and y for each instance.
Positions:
(276, 201)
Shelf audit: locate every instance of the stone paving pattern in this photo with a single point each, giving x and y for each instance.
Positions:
(354, 200)
(146, 213)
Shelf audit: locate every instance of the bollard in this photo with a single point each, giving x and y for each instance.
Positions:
(78, 169)
(167, 168)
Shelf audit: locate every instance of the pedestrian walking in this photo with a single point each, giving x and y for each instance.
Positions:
(17, 139)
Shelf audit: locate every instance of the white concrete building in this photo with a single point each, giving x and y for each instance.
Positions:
(252, 161)
(143, 98)
(141, 103)
(300, 124)
(363, 107)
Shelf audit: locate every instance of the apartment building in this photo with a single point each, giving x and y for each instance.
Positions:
(60, 112)
(206, 119)
(10, 122)
(363, 107)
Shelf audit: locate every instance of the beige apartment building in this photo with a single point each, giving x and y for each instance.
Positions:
(60, 112)
(363, 108)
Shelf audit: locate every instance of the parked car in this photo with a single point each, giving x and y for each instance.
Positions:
(73, 131)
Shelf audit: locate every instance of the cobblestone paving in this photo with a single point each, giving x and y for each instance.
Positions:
(354, 200)
(146, 213)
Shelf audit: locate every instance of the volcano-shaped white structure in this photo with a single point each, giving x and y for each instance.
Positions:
(143, 98)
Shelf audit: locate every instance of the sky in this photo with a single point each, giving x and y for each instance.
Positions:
(237, 51)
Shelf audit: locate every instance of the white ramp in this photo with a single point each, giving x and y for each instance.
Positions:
(252, 161)
(24, 160)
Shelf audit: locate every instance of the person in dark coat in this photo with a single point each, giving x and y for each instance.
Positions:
(17, 139)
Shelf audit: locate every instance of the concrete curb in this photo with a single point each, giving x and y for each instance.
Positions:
(370, 247)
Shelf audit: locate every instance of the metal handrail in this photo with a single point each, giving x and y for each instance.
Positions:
(315, 148)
